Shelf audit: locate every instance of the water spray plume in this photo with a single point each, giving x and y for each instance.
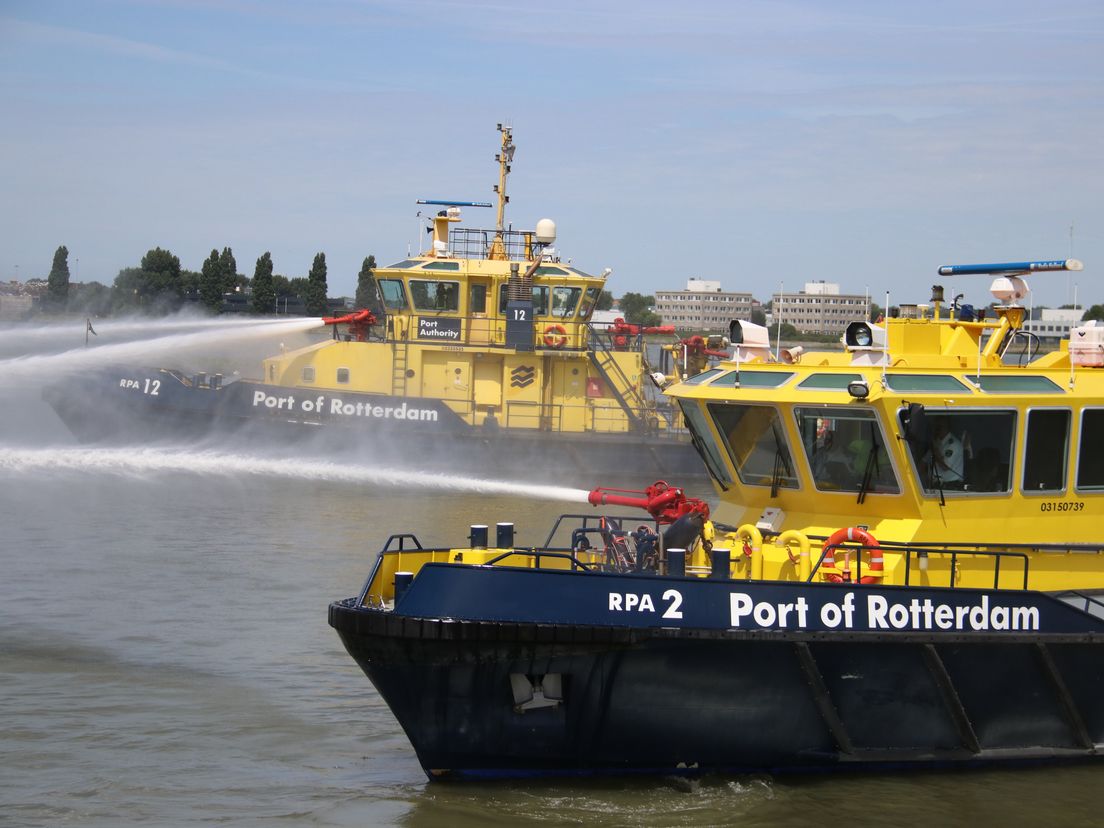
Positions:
(72, 332)
(143, 462)
(35, 367)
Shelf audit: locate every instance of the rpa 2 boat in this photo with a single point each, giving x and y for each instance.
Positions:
(905, 570)
(481, 348)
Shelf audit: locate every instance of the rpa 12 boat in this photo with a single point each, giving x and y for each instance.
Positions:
(905, 570)
(481, 348)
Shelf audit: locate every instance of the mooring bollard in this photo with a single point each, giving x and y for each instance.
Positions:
(721, 560)
(676, 562)
(477, 535)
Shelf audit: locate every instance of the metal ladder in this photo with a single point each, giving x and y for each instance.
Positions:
(607, 368)
(398, 368)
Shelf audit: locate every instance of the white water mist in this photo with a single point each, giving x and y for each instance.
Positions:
(148, 461)
(22, 369)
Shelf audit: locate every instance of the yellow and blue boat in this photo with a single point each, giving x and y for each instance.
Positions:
(480, 349)
(905, 569)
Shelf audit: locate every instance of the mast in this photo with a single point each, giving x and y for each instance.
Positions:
(504, 159)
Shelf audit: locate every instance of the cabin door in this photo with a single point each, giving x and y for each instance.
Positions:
(480, 330)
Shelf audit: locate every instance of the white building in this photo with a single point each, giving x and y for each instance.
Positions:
(820, 308)
(1054, 323)
(702, 306)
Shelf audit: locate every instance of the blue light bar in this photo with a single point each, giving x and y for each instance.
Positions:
(443, 203)
(1010, 267)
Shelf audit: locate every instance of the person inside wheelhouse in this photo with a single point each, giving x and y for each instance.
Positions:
(846, 450)
(961, 451)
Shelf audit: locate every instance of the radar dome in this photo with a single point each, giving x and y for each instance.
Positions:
(546, 231)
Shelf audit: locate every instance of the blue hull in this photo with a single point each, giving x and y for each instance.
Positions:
(717, 692)
(131, 406)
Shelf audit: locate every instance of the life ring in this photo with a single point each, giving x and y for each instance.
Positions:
(555, 336)
(854, 534)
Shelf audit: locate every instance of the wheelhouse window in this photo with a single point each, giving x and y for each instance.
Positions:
(1046, 450)
(1090, 457)
(564, 300)
(478, 303)
(589, 301)
(964, 451)
(343, 376)
(704, 441)
(846, 450)
(704, 376)
(435, 296)
(756, 443)
(308, 373)
(540, 300)
(393, 293)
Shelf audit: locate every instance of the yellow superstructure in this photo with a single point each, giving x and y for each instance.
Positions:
(493, 324)
(965, 466)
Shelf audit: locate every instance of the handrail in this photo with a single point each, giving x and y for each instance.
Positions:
(587, 519)
(925, 549)
(494, 334)
(538, 554)
(401, 538)
(1088, 599)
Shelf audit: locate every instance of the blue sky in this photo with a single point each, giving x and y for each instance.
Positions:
(754, 143)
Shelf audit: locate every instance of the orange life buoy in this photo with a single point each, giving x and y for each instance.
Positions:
(868, 541)
(555, 336)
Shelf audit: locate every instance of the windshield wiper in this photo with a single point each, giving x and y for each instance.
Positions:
(780, 464)
(871, 465)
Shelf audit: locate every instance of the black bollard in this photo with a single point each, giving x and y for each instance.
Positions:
(721, 562)
(676, 563)
(478, 536)
(504, 536)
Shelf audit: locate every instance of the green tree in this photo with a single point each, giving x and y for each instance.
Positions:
(315, 298)
(156, 286)
(758, 316)
(92, 298)
(264, 292)
(1094, 312)
(229, 267)
(875, 312)
(366, 295)
(634, 306)
(605, 301)
(190, 283)
(211, 283)
(299, 286)
(58, 281)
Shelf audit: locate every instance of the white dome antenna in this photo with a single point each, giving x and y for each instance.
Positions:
(546, 231)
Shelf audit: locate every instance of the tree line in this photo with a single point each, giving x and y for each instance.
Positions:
(159, 285)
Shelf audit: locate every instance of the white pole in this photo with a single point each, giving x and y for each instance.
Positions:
(778, 335)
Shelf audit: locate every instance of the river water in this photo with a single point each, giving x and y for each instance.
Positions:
(165, 659)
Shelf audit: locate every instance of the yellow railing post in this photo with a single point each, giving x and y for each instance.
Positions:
(749, 533)
(804, 565)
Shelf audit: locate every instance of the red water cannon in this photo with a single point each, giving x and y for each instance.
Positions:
(359, 322)
(699, 345)
(663, 502)
(620, 331)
